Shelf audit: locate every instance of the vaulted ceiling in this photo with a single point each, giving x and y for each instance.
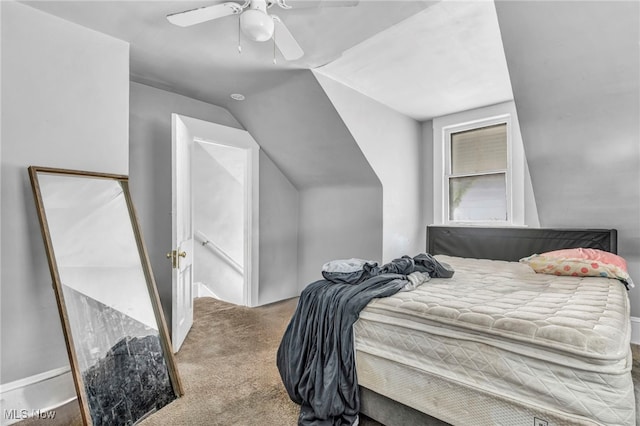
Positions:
(421, 57)
(444, 59)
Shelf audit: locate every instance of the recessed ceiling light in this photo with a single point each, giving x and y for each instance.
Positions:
(237, 96)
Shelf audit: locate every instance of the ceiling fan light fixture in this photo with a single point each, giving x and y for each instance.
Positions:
(256, 24)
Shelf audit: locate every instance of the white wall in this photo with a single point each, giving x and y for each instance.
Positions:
(65, 103)
(150, 169)
(279, 217)
(338, 223)
(219, 213)
(392, 144)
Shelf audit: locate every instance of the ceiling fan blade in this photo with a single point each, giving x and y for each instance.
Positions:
(204, 14)
(287, 45)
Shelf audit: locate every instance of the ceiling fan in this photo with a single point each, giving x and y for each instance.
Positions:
(255, 22)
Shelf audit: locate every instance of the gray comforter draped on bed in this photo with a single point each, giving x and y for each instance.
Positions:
(316, 356)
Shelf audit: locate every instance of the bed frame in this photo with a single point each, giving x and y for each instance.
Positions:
(509, 244)
(513, 244)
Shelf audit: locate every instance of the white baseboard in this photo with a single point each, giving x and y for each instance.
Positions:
(200, 289)
(37, 395)
(635, 330)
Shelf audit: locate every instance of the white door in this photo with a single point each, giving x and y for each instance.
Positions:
(181, 255)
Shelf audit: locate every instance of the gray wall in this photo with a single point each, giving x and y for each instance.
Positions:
(150, 169)
(338, 222)
(150, 175)
(340, 196)
(574, 68)
(65, 103)
(279, 218)
(391, 143)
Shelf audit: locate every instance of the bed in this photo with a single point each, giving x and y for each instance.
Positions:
(499, 344)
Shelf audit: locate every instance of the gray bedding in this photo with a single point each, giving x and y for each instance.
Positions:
(316, 355)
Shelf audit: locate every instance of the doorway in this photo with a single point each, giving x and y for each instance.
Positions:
(219, 197)
(214, 170)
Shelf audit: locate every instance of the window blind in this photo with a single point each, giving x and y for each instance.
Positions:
(479, 150)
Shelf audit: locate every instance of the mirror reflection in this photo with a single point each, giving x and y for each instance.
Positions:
(119, 356)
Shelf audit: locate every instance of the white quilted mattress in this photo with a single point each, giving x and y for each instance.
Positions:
(558, 344)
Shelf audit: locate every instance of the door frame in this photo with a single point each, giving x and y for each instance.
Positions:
(209, 132)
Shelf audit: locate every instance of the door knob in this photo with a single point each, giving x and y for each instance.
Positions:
(175, 256)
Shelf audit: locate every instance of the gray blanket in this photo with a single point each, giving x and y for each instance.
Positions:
(316, 355)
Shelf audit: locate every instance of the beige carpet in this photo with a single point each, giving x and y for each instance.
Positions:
(227, 365)
(228, 368)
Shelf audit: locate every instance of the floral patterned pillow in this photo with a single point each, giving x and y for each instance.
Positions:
(580, 263)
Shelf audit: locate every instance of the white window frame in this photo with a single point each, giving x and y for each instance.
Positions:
(443, 127)
(450, 130)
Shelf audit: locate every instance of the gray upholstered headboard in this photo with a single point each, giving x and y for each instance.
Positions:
(514, 243)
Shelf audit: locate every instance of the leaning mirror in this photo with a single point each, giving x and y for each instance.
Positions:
(116, 335)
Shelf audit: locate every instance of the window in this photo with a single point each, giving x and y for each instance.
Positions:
(477, 174)
(479, 169)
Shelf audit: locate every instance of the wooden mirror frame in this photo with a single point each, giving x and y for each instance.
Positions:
(165, 343)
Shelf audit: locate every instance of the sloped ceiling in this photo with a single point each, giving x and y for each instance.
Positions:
(299, 128)
(202, 61)
(446, 59)
(424, 58)
(285, 109)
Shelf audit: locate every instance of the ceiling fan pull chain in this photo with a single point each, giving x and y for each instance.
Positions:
(239, 31)
(274, 46)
